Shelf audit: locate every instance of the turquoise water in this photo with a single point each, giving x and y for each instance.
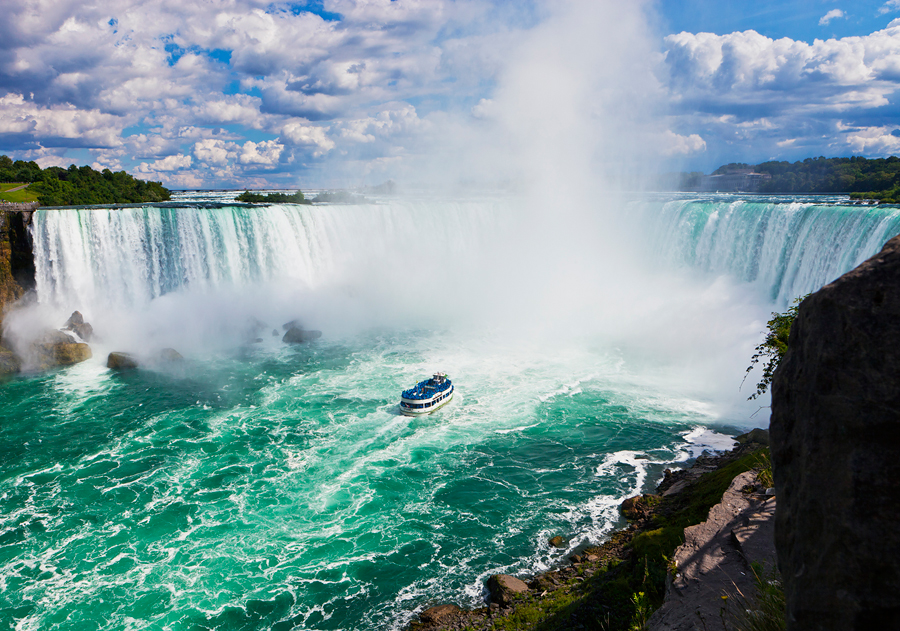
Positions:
(260, 486)
(280, 488)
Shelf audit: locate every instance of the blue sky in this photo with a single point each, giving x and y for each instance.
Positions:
(253, 93)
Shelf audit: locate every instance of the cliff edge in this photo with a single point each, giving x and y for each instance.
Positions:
(835, 433)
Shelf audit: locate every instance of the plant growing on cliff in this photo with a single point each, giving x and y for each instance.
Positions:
(773, 347)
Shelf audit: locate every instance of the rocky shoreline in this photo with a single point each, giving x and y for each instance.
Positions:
(619, 583)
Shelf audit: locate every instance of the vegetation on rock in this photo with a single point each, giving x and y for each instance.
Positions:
(617, 585)
(773, 347)
(273, 198)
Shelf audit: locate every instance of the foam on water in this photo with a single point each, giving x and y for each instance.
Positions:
(260, 486)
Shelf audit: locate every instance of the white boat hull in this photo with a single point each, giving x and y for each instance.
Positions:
(425, 406)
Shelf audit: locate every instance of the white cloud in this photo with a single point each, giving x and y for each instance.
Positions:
(674, 144)
(266, 152)
(308, 135)
(831, 15)
(746, 70)
(877, 141)
(60, 123)
(889, 7)
(215, 152)
(169, 163)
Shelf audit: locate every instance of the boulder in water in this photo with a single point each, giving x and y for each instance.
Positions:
(76, 323)
(297, 335)
(56, 348)
(121, 361)
(557, 542)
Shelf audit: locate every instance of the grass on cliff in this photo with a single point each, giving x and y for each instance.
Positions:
(623, 592)
(19, 197)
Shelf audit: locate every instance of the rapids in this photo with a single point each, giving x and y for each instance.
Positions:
(261, 486)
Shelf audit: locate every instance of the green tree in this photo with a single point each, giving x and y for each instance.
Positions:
(774, 347)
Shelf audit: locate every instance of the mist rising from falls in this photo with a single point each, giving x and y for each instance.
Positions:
(692, 287)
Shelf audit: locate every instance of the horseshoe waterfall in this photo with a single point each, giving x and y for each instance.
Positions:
(261, 485)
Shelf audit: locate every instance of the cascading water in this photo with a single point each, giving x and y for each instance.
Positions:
(261, 486)
(787, 247)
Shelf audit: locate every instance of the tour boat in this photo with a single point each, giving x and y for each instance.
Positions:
(426, 396)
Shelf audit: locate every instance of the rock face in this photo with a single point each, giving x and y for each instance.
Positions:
(835, 433)
(714, 561)
(9, 363)
(16, 262)
(504, 588)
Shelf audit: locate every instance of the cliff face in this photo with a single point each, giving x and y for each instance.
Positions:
(835, 442)
(16, 260)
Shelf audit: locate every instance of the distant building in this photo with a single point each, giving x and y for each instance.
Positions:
(733, 182)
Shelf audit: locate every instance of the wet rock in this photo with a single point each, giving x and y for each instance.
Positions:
(300, 336)
(504, 588)
(77, 324)
(438, 614)
(121, 361)
(69, 354)
(835, 433)
(9, 363)
(557, 542)
(55, 349)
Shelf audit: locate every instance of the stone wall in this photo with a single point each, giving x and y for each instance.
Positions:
(835, 441)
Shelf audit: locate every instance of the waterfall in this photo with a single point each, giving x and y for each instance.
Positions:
(127, 257)
(788, 248)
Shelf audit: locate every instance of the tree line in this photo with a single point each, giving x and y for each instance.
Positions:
(56, 186)
(863, 176)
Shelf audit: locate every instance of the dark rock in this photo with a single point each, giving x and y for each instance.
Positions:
(76, 323)
(835, 433)
(438, 614)
(756, 435)
(9, 363)
(504, 588)
(275, 333)
(121, 361)
(293, 324)
(576, 558)
(557, 542)
(299, 336)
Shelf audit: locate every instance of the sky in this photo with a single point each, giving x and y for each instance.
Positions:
(346, 93)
